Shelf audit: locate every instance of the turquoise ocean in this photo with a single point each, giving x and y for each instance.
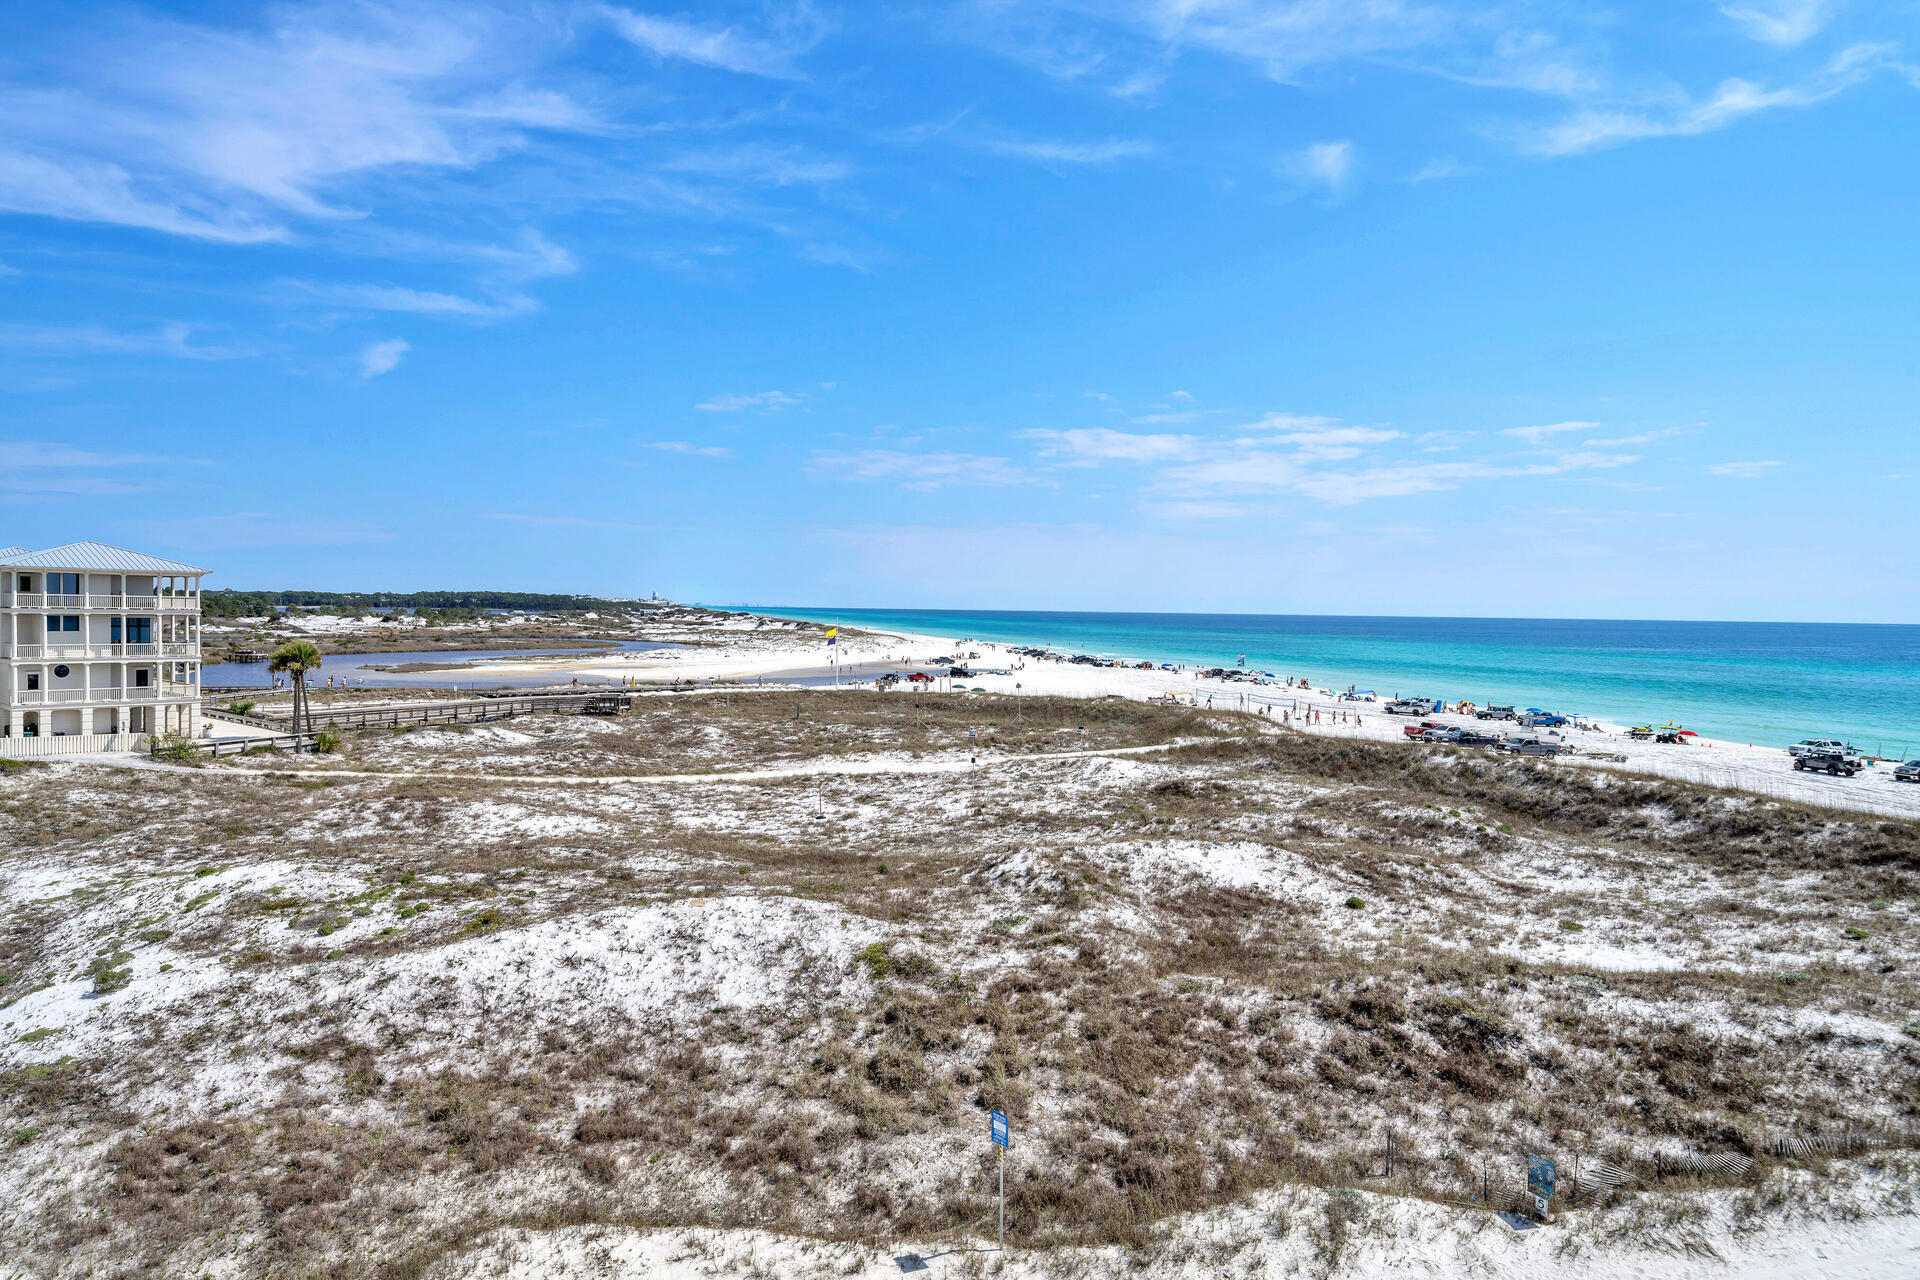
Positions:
(1769, 683)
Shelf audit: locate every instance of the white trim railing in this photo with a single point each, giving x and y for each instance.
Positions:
(50, 652)
(69, 744)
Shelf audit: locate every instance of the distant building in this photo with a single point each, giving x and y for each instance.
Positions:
(99, 648)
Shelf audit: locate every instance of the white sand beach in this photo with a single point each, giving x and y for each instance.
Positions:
(788, 658)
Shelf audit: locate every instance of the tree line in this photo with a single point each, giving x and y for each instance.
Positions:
(241, 604)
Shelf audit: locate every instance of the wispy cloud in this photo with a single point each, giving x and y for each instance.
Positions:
(762, 401)
(237, 136)
(774, 166)
(723, 48)
(1088, 445)
(577, 522)
(377, 358)
(688, 447)
(922, 471)
(1736, 99)
(1440, 168)
(1323, 164)
(175, 341)
(1051, 152)
(21, 455)
(400, 298)
(1782, 22)
(1539, 434)
(1744, 470)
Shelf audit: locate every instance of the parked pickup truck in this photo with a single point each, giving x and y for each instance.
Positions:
(1907, 771)
(1832, 762)
(1531, 747)
(1422, 729)
(1458, 737)
(1818, 747)
(1496, 713)
(1412, 707)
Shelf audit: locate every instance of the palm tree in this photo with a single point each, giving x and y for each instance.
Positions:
(296, 658)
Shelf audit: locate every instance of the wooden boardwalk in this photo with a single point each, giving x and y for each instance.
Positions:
(465, 711)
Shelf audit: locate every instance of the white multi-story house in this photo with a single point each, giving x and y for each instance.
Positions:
(97, 644)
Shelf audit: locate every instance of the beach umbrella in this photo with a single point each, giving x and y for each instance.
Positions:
(1688, 733)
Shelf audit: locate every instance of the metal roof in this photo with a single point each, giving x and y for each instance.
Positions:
(6, 552)
(95, 557)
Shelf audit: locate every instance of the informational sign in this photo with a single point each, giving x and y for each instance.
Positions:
(1001, 1136)
(1540, 1205)
(1540, 1177)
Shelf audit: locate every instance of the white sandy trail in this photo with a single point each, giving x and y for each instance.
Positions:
(843, 768)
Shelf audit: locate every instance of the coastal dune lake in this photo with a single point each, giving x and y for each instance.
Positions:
(1769, 683)
(360, 667)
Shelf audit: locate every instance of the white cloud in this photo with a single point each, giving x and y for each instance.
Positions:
(582, 522)
(1782, 22)
(924, 471)
(6, 270)
(426, 302)
(1744, 470)
(1291, 36)
(765, 401)
(1736, 99)
(1043, 151)
(1100, 444)
(839, 255)
(1326, 164)
(171, 340)
(1194, 510)
(21, 455)
(1439, 168)
(1539, 434)
(774, 166)
(229, 135)
(687, 447)
(723, 48)
(382, 357)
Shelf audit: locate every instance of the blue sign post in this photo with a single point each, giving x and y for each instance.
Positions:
(1002, 1138)
(1540, 1182)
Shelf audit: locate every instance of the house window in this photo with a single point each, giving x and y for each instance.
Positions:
(139, 630)
(113, 629)
(63, 584)
(140, 678)
(59, 622)
(26, 582)
(33, 680)
(62, 672)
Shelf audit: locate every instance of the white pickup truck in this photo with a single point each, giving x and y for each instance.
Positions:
(1818, 747)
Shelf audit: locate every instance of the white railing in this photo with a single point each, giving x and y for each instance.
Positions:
(179, 604)
(28, 600)
(106, 695)
(69, 744)
(66, 602)
(175, 649)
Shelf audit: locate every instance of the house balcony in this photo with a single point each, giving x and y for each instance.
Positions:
(75, 652)
(109, 696)
(103, 603)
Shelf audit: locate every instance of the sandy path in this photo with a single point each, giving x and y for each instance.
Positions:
(838, 768)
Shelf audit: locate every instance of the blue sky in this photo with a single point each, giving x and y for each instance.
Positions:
(1367, 307)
